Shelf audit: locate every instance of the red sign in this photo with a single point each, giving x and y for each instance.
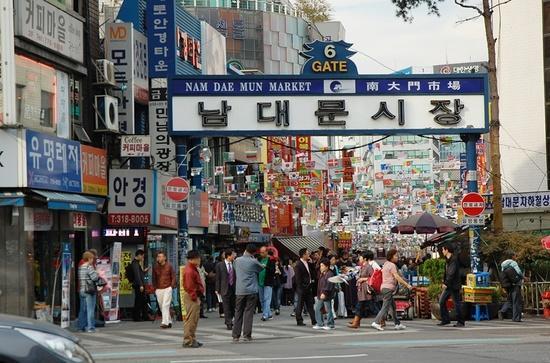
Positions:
(379, 175)
(79, 220)
(546, 242)
(129, 219)
(177, 189)
(473, 204)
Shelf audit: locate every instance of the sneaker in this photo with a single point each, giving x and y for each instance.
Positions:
(270, 318)
(459, 325)
(293, 314)
(236, 340)
(400, 327)
(263, 319)
(90, 331)
(277, 312)
(317, 327)
(377, 326)
(329, 328)
(247, 339)
(443, 323)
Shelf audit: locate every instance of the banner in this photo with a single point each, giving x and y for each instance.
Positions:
(66, 263)
(115, 281)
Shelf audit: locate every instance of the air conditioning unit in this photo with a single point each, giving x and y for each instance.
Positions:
(106, 118)
(105, 72)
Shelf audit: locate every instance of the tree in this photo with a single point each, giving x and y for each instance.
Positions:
(314, 11)
(485, 11)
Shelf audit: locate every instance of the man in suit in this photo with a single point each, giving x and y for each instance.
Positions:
(304, 276)
(225, 286)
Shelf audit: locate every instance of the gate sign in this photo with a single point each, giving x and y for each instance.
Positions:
(473, 204)
(301, 105)
(177, 189)
(328, 58)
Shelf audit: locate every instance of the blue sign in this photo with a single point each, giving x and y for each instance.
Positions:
(161, 38)
(302, 86)
(463, 172)
(328, 58)
(53, 163)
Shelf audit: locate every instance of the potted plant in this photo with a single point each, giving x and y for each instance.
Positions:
(434, 270)
(546, 304)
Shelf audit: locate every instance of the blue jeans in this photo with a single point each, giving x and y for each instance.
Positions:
(277, 295)
(265, 299)
(319, 316)
(87, 309)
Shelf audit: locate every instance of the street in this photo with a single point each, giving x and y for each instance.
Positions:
(282, 340)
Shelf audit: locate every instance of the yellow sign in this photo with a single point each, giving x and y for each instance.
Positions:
(125, 285)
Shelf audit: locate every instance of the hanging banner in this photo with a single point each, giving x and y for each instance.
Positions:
(66, 264)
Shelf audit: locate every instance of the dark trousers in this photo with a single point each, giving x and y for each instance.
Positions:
(140, 306)
(228, 302)
(211, 298)
(363, 308)
(288, 297)
(514, 302)
(455, 294)
(244, 315)
(305, 298)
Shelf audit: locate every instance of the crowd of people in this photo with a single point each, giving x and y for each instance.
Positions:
(260, 281)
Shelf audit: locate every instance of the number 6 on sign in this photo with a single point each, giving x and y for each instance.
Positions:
(330, 51)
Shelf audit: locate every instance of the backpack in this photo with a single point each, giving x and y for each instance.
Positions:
(129, 273)
(510, 277)
(375, 280)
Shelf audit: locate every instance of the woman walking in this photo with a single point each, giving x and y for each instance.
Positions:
(365, 298)
(390, 278)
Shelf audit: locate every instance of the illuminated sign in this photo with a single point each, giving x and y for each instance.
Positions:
(188, 48)
(123, 232)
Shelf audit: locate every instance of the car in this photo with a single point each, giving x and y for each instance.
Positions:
(27, 340)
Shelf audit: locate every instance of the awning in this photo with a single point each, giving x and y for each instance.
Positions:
(12, 199)
(295, 244)
(66, 201)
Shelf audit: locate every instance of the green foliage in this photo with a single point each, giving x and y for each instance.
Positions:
(532, 257)
(405, 7)
(314, 11)
(433, 269)
(434, 291)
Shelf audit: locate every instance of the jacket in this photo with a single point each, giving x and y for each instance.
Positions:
(164, 276)
(267, 275)
(363, 289)
(222, 279)
(247, 268)
(192, 282)
(324, 286)
(452, 273)
(139, 274)
(88, 279)
(302, 277)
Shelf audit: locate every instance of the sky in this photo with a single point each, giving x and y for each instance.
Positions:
(373, 28)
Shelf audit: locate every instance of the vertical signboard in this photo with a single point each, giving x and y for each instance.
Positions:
(118, 49)
(163, 216)
(161, 37)
(53, 163)
(463, 172)
(66, 286)
(62, 104)
(94, 170)
(7, 65)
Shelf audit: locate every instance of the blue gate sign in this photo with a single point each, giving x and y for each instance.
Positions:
(301, 105)
(53, 163)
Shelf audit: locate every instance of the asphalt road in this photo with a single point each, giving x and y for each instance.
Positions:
(281, 340)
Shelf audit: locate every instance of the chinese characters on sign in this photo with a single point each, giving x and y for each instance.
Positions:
(50, 27)
(53, 163)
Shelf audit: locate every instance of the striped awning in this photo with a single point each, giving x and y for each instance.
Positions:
(12, 199)
(67, 201)
(295, 244)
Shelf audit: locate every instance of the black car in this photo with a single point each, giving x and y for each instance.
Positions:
(25, 340)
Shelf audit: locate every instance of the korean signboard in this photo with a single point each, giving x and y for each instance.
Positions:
(136, 199)
(127, 49)
(198, 210)
(135, 145)
(461, 68)
(94, 170)
(50, 27)
(53, 163)
(162, 146)
(260, 106)
(188, 48)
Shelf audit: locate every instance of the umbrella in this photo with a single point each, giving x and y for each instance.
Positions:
(439, 238)
(424, 223)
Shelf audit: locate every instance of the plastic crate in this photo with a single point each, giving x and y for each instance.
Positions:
(481, 295)
(480, 279)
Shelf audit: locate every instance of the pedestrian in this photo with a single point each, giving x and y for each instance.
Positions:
(203, 275)
(325, 293)
(164, 281)
(211, 300)
(365, 293)
(194, 289)
(451, 288)
(82, 314)
(390, 278)
(138, 283)
(288, 286)
(88, 280)
(266, 279)
(512, 278)
(278, 282)
(225, 286)
(304, 272)
(247, 268)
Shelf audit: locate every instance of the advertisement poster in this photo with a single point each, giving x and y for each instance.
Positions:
(125, 285)
(103, 269)
(66, 285)
(115, 281)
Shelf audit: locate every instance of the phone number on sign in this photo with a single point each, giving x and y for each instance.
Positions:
(129, 219)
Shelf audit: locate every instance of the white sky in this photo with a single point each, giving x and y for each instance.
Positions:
(375, 30)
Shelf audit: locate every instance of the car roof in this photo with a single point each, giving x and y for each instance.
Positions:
(13, 321)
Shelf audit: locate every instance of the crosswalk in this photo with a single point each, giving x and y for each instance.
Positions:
(128, 335)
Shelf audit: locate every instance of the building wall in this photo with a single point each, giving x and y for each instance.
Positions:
(521, 85)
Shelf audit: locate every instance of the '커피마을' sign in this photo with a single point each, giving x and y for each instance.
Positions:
(251, 106)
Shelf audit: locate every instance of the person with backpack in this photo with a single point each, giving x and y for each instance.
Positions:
(135, 274)
(388, 288)
(512, 277)
(365, 292)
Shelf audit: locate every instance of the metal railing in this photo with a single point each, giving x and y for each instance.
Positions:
(532, 296)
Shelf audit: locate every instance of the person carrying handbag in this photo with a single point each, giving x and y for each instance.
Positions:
(89, 281)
